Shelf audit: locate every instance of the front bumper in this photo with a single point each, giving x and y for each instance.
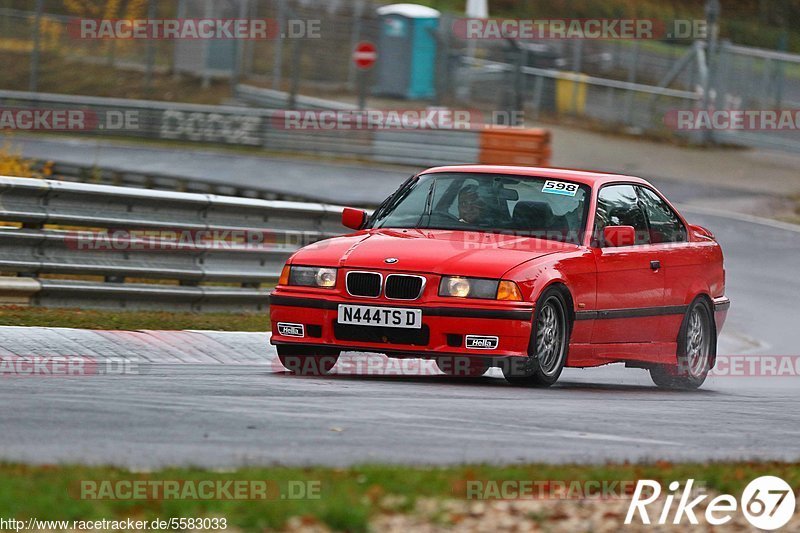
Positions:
(444, 327)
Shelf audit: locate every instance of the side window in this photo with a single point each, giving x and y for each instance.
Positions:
(618, 205)
(665, 226)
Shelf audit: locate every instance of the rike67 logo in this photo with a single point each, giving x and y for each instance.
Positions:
(768, 503)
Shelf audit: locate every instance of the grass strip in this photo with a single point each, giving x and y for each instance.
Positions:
(131, 320)
(347, 497)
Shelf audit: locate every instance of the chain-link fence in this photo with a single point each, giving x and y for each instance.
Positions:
(759, 82)
(632, 84)
(58, 43)
(614, 83)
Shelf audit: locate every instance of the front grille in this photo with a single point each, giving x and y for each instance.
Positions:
(400, 287)
(367, 284)
(381, 334)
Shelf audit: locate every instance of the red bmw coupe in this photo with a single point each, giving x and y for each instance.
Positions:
(526, 269)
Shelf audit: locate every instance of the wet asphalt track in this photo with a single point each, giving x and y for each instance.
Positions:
(248, 411)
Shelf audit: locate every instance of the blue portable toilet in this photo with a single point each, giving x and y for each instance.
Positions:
(407, 51)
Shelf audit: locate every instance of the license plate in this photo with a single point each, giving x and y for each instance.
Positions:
(368, 315)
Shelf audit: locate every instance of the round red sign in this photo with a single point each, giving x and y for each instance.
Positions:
(365, 54)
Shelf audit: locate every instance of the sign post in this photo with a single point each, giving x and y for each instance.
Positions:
(364, 56)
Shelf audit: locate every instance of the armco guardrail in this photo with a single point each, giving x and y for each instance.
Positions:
(106, 175)
(76, 244)
(272, 99)
(251, 126)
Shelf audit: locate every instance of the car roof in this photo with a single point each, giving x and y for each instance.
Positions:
(586, 177)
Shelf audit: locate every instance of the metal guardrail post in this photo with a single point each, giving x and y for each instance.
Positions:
(632, 71)
(151, 51)
(705, 82)
(355, 37)
(277, 58)
(33, 84)
(538, 87)
(577, 56)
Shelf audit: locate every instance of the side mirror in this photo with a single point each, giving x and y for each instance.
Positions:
(617, 236)
(703, 232)
(353, 218)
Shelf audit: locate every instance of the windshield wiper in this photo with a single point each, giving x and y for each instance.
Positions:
(428, 205)
(388, 205)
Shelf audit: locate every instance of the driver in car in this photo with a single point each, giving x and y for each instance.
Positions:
(472, 209)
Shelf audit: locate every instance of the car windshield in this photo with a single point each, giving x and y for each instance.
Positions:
(530, 206)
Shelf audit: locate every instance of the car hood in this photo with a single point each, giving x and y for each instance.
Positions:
(463, 253)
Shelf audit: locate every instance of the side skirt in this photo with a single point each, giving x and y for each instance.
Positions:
(589, 355)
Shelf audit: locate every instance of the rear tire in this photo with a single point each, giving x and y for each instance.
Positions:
(307, 360)
(462, 367)
(547, 352)
(697, 348)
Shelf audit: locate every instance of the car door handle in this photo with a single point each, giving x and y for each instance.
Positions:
(655, 265)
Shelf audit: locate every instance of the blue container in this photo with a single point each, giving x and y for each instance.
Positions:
(407, 51)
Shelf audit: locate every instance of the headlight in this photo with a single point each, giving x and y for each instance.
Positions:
(305, 276)
(487, 289)
(458, 287)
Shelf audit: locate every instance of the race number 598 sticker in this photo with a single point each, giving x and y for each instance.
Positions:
(560, 187)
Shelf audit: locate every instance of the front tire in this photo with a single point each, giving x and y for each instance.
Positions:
(304, 360)
(697, 348)
(547, 352)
